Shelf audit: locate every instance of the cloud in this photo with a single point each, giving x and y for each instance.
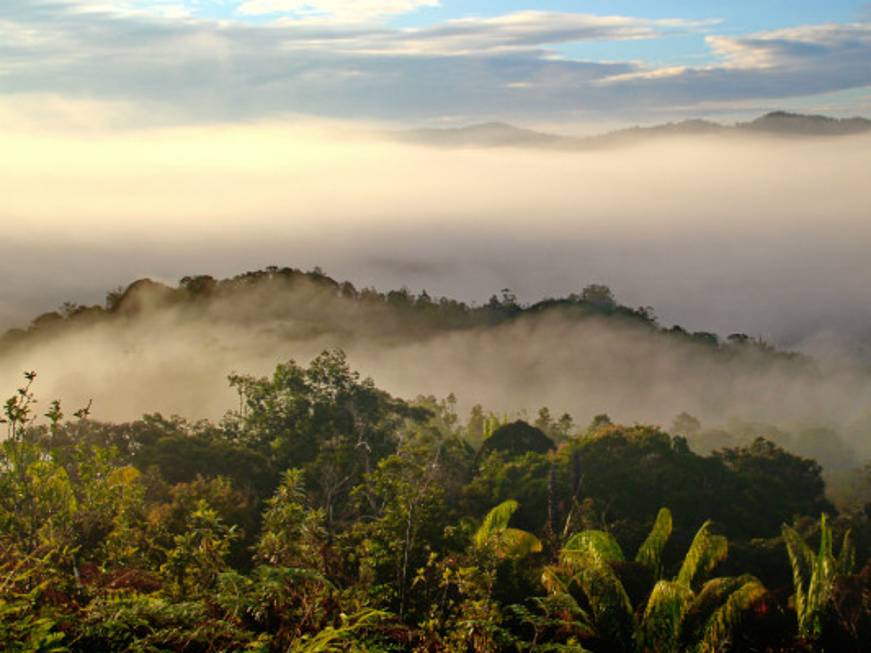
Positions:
(346, 10)
(784, 63)
(191, 69)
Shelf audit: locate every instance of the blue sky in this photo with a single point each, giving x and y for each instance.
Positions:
(436, 61)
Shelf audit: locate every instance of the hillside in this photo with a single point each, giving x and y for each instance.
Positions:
(163, 347)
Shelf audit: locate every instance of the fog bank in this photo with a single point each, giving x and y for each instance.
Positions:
(763, 236)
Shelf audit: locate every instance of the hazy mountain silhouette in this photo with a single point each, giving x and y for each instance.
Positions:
(497, 134)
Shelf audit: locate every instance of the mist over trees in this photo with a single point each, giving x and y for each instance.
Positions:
(323, 513)
(155, 347)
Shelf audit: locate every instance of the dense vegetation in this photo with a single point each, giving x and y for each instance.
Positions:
(323, 514)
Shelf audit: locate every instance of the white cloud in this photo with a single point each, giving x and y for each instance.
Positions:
(503, 67)
(342, 10)
(786, 63)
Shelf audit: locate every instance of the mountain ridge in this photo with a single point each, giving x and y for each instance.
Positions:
(501, 134)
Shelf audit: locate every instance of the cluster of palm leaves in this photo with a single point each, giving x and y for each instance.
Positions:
(688, 612)
(814, 575)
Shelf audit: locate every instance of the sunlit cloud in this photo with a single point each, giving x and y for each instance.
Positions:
(193, 69)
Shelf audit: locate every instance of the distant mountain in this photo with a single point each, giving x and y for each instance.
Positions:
(497, 134)
(490, 134)
(781, 122)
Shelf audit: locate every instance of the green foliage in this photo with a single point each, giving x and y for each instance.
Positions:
(22, 626)
(516, 439)
(677, 615)
(650, 552)
(292, 534)
(352, 635)
(505, 542)
(148, 536)
(198, 555)
(814, 575)
(705, 553)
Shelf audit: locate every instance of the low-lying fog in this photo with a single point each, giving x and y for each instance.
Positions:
(768, 237)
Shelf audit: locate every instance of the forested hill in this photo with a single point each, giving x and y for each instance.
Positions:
(312, 303)
(155, 347)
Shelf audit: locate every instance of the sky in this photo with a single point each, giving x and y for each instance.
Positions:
(437, 61)
(164, 138)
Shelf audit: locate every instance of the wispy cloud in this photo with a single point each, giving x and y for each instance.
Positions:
(784, 63)
(504, 66)
(342, 10)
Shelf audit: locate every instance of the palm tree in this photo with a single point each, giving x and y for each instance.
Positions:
(680, 614)
(813, 576)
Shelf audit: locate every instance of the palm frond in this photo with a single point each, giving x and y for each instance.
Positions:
(586, 559)
(707, 601)
(706, 552)
(820, 586)
(495, 520)
(847, 556)
(660, 628)
(553, 580)
(591, 541)
(342, 638)
(727, 619)
(650, 552)
(801, 560)
(515, 543)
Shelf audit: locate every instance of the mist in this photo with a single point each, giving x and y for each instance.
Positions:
(762, 236)
(156, 355)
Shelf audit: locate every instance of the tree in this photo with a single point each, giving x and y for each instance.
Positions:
(599, 296)
(290, 414)
(516, 439)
